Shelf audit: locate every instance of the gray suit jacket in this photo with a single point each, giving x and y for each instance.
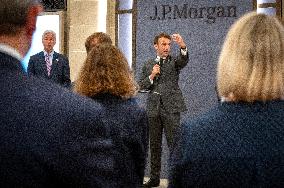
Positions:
(60, 70)
(166, 85)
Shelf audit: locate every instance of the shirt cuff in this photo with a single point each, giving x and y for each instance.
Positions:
(151, 80)
(183, 51)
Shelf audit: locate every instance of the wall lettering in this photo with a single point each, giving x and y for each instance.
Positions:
(208, 14)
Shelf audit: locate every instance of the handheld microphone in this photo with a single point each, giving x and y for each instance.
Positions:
(157, 62)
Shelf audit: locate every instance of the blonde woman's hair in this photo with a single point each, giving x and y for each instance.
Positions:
(251, 63)
(106, 71)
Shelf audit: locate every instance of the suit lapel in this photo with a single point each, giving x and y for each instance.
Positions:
(42, 64)
(151, 65)
(54, 64)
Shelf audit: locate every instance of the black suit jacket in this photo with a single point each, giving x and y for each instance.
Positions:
(60, 70)
(129, 129)
(166, 84)
(50, 137)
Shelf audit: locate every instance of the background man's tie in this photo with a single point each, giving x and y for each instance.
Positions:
(48, 64)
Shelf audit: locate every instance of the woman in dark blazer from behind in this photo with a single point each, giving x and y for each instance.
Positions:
(106, 77)
(240, 141)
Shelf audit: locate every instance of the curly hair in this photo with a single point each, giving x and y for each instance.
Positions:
(106, 71)
(251, 64)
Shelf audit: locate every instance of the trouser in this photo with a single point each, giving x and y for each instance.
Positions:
(170, 122)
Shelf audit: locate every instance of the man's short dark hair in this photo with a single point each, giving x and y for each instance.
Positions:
(161, 35)
(13, 15)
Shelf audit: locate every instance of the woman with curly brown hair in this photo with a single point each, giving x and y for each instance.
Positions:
(106, 77)
(106, 71)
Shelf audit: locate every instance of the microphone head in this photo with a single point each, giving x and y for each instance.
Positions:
(157, 60)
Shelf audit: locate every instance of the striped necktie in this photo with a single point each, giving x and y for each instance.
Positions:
(48, 64)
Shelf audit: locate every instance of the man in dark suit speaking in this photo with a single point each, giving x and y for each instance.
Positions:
(50, 64)
(165, 101)
(49, 136)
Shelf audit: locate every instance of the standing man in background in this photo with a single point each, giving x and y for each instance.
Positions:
(50, 64)
(165, 101)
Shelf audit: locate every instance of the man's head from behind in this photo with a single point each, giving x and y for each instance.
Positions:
(97, 38)
(18, 20)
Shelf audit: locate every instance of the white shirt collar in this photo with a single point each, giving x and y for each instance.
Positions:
(50, 54)
(10, 51)
(158, 58)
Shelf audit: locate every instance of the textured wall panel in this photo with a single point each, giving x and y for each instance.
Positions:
(203, 25)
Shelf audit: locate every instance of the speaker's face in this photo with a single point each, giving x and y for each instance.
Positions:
(163, 47)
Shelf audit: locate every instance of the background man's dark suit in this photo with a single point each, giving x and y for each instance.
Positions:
(165, 100)
(60, 70)
(49, 136)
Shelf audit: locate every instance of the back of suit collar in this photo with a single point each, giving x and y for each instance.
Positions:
(10, 51)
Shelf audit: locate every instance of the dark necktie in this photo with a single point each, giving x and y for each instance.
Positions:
(162, 61)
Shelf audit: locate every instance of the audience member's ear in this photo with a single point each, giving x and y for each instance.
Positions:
(31, 19)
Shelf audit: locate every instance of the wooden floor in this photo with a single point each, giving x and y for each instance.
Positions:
(163, 182)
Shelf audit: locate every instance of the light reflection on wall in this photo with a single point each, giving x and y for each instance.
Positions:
(268, 10)
(44, 22)
(102, 13)
(125, 36)
(125, 4)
